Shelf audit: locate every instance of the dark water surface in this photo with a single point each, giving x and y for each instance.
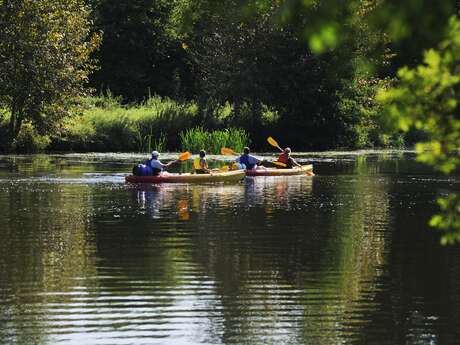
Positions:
(344, 257)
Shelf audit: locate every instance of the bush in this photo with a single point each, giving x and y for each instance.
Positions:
(162, 119)
(106, 125)
(360, 115)
(29, 141)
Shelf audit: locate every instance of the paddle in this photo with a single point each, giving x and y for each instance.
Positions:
(274, 143)
(281, 164)
(184, 156)
(228, 152)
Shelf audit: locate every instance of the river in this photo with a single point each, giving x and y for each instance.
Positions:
(344, 257)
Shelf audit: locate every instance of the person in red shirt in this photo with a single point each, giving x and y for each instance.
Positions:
(286, 158)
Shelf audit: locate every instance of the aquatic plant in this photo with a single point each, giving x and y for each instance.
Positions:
(195, 139)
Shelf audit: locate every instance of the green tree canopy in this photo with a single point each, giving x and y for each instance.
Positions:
(45, 49)
(240, 53)
(137, 55)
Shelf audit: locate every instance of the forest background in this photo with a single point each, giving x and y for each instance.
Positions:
(154, 73)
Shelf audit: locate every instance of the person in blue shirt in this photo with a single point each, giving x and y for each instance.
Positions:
(249, 162)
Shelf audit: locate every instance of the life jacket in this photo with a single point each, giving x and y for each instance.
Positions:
(197, 164)
(283, 158)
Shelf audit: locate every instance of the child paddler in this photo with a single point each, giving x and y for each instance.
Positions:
(200, 165)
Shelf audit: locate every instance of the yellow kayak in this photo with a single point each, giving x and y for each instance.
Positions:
(225, 176)
(304, 170)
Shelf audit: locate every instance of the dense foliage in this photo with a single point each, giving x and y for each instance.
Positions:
(251, 58)
(106, 125)
(427, 97)
(137, 55)
(227, 52)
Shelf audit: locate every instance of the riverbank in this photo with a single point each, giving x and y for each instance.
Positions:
(104, 124)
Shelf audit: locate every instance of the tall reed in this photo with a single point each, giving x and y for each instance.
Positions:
(198, 138)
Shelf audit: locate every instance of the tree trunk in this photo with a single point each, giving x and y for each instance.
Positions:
(237, 110)
(18, 127)
(12, 125)
(15, 122)
(256, 114)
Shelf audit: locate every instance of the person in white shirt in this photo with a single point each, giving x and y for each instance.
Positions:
(155, 164)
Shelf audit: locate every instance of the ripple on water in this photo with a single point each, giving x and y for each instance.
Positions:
(334, 259)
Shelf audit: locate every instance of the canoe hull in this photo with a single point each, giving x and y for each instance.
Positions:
(230, 176)
(304, 170)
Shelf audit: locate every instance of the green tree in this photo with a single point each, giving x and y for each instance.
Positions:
(427, 97)
(45, 49)
(138, 55)
(242, 55)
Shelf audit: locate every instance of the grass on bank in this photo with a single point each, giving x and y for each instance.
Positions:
(109, 126)
(162, 124)
(104, 124)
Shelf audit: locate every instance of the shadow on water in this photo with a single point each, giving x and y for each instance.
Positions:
(344, 257)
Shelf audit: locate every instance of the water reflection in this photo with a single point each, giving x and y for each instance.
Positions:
(271, 193)
(338, 258)
(44, 248)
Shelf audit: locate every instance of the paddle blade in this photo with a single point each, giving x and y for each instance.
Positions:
(184, 156)
(281, 164)
(226, 152)
(272, 142)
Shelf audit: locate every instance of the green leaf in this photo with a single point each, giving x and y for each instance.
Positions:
(432, 58)
(326, 38)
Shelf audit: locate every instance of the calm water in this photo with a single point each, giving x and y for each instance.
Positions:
(344, 257)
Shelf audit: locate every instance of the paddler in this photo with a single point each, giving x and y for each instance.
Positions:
(285, 158)
(155, 164)
(249, 162)
(200, 165)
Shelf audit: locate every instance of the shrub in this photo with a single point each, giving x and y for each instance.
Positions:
(29, 141)
(106, 125)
